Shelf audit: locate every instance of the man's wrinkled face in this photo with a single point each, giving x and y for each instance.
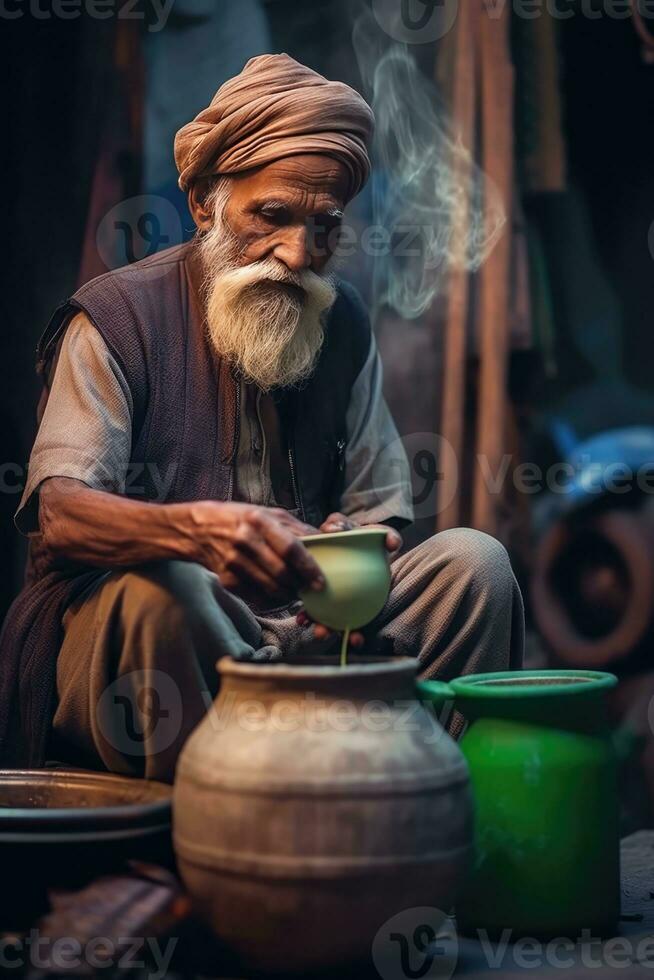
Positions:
(291, 209)
(265, 239)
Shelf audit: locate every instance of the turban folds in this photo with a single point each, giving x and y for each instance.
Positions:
(276, 108)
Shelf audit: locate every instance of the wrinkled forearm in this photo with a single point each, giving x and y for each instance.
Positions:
(105, 530)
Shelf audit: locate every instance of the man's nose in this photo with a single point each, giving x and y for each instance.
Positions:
(293, 249)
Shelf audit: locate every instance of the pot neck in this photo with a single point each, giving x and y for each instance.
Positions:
(392, 678)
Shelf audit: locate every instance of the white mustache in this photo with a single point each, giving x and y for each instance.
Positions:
(319, 288)
(273, 336)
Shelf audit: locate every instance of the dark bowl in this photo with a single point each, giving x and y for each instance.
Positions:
(61, 828)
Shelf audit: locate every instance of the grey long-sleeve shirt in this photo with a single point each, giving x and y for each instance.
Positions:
(86, 433)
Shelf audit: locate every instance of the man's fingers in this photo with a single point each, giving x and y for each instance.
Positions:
(305, 564)
(393, 541)
(259, 551)
(337, 522)
(297, 527)
(321, 632)
(241, 567)
(292, 551)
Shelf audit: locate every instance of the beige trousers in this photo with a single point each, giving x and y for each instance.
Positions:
(136, 671)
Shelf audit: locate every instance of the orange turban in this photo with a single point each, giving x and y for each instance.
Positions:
(276, 108)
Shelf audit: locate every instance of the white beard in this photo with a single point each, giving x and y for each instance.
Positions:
(264, 319)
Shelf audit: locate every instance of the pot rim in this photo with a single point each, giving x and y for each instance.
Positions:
(358, 532)
(287, 670)
(512, 684)
(141, 816)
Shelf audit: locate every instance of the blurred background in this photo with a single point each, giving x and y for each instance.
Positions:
(505, 249)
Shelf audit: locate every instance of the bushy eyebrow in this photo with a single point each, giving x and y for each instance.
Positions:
(272, 206)
(276, 205)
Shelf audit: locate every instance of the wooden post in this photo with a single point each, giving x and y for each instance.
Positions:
(459, 61)
(496, 86)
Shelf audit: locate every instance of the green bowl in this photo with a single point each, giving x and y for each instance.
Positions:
(356, 568)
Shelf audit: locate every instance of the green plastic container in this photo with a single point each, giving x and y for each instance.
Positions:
(543, 767)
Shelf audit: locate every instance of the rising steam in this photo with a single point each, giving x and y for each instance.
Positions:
(438, 207)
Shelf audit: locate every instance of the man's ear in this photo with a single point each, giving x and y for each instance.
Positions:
(198, 197)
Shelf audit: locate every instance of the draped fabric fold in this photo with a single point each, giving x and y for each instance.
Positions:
(276, 108)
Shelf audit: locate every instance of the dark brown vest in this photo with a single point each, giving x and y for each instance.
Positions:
(184, 439)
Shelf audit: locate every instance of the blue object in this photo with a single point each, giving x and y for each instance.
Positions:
(612, 462)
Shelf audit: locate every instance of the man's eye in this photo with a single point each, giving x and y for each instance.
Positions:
(277, 217)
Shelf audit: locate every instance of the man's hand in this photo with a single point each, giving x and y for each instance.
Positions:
(254, 550)
(339, 522)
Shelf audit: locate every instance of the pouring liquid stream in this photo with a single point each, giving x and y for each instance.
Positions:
(344, 643)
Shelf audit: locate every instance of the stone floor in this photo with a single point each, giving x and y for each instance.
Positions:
(628, 955)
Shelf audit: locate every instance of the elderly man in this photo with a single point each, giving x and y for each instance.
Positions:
(203, 410)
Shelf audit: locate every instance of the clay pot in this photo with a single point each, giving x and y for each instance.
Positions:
(357, 573)
(312, 804)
